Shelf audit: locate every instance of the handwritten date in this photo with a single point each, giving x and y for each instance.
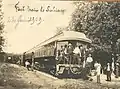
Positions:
(22, 19)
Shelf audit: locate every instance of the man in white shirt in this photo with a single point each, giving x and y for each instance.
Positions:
(77, 51)
(97, 66)
(27, 64)
(89, 59)
(89, 63)
(77, 54)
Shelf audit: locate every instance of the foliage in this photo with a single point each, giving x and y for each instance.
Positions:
(99, 21)
(1, 28)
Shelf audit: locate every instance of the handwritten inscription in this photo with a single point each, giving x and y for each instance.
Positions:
(31, 20)
(48, 8)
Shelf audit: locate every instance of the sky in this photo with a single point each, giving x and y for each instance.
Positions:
(21, 34)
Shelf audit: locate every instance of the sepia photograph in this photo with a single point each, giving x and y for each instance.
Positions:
(59, 44)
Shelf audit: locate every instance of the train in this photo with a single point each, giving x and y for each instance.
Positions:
(46, 55)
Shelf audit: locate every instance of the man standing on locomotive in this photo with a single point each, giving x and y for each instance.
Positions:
(77, 55)
(61, 59)
(66, 54)
(70, 53)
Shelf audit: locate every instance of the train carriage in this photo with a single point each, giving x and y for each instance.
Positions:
(48, 56)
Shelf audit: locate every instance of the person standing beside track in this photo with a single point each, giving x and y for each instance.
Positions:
(108, 70)
(27, 64)
(89, 63)
(117, 65)
(117, 70)
(23, 59)
(32, 66)
(97, 66)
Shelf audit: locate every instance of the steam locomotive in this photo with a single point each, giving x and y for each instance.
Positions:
(47, 54)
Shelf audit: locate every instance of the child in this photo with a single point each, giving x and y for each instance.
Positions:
(97, 66)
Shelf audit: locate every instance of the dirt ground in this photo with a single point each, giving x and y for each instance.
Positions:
(17, 77)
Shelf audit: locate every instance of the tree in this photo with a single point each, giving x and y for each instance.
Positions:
(1, 28)
(99, 21)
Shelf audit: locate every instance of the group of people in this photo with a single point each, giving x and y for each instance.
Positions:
(79, 55)
(111, 68)
(108, 70)
(68, 54)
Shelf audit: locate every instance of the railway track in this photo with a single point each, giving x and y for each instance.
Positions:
(72, 82)
(48, 81)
